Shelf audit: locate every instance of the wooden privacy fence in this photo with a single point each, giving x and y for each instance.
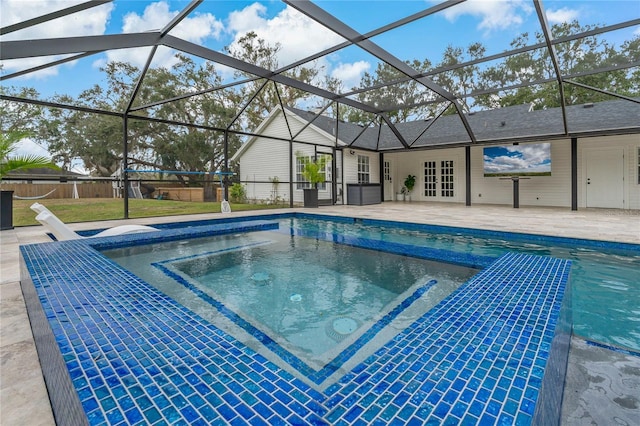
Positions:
(62, 190)
(181, 193)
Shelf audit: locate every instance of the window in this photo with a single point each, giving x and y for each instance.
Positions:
(300, 163)
(302, 183)
(363, 169)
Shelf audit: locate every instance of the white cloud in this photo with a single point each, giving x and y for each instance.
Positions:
(297, 35)
(88, 22)
(493, 14)
(92, 21)
(521, 158)
(533, 153)
(28, 147)
(505, 163)
(156, 16)
(24, 64)
(248, 19)
(562, 15)
(350, 74)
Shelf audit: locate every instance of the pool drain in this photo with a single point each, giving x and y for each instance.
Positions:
(261, 278)
(341, 327)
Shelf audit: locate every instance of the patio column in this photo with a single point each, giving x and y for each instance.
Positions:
(574, 173)
(125, 164)
(467, 164)
(291, 174)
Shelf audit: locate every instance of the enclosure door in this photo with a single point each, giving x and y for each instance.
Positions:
(387, 174)
(439, 180)
(326, 189)
(605, 178)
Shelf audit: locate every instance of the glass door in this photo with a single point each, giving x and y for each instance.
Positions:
(439, 179)
(388, 180)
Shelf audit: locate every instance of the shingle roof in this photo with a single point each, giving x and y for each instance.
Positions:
(43, 172)
(508, 123)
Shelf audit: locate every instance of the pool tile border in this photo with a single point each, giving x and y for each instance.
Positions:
(516, 236)
(479, 356)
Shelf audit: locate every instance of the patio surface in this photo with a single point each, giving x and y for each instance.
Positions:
(24, 400)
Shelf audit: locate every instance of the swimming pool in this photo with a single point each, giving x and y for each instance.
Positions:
(604, 276)
(313, 303)
(122, 352)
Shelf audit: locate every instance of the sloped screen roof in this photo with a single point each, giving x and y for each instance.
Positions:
(430, 73)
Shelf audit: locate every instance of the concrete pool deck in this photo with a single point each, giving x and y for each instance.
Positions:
(601, 384)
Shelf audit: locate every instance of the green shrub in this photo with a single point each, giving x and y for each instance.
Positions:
(237, 193)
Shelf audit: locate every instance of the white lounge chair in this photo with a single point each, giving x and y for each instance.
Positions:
(62, 232)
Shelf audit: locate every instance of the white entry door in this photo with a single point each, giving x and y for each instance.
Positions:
(605, 178)
(439, 179)
(387, 175)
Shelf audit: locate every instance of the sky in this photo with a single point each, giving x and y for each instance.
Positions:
(216, 24)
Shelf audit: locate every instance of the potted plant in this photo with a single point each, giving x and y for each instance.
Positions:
(409, 183)
(314, 173)
(8, 144)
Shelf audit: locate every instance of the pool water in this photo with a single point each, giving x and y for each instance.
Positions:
(491, 352)
(311, 298)
(605, 283)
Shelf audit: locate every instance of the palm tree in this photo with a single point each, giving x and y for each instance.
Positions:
(8, 143)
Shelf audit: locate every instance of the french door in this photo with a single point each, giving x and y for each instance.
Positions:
(439, 179)
(387, 174)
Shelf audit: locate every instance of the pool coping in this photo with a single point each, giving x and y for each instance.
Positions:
(330, 403)
(561, 241)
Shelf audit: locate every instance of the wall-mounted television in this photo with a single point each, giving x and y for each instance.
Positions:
(531, 159)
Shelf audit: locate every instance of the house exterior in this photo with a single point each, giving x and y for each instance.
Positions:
(598, 165)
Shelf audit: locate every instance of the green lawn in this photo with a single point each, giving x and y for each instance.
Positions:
(92, 209)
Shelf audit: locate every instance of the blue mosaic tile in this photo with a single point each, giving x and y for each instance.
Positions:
(135, 356)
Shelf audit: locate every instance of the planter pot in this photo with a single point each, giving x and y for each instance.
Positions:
(6, 210)
(310, 197)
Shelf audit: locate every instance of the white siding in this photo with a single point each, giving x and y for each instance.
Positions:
(264, 159)
(268, 158)
(311, 134)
